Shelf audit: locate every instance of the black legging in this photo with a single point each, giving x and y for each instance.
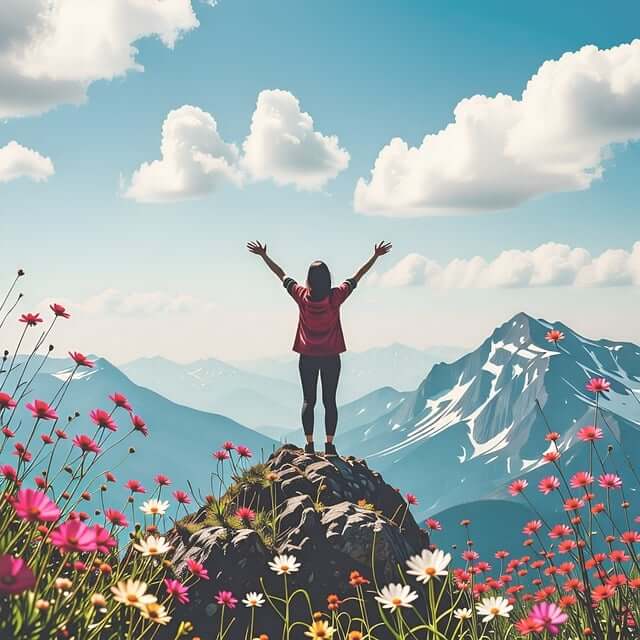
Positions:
(329, 369)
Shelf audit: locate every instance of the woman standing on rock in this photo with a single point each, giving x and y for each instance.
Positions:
(319, 339)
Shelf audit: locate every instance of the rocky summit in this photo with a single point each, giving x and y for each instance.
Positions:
(334, 514)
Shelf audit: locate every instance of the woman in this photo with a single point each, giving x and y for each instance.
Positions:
(319, 339)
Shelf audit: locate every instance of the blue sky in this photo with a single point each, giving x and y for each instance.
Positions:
(366, 74)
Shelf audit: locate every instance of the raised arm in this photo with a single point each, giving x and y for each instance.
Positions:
(261, 250)
(379, 249)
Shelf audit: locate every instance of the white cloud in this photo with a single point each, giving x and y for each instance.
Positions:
(502, 151)
(283, 145)
(550, 264)
(195, 160)
(52, 50)
(17, 161)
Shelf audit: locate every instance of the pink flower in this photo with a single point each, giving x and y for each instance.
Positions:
(41, 410)
(6, 401)
(411, 499)
(59, 310)
(553, 335)
(15, 575)
(580, 480)
(74, 535)
(120, 401)
(243, 452)
(109, 477)
(602, 592)
(548, 484)
(197, 569)
(560, 530)
(228, 446)
(551, 456)
(102, 419)
(30, 319)
(517, 487)
(8, 472)
(552, 436)
(21, 451)
(433, 524)
(162, 480)
(139, 425)
(7, 432)
(86, 444)
(181, 497)
(135, 487)
(573, 504)
(46, 438)
(104, 541)
(630, 537)
(226, 599)
(221, 455)
(589, 434)
(598, 385)
(116, 518)
(609, 481)
(531, 527)
(527, 626)
(61, 434)
(35, 506)
(549, 616)
(244, 513)
(176, 589)
(81, 360)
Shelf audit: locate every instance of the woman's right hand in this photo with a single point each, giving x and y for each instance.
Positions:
(381, 249)
(257, 248)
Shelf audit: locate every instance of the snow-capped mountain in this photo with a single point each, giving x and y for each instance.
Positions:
(476, 424)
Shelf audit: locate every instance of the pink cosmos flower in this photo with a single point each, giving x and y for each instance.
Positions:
(30, 319)
(598, 385)
(116, 518)
(139, 425)
(589, 434)
(81, 360)
(228, 446)
(102, 419)
(46, 438)
(8, 472)
(74, 535)
(61, 434)
(21, 451)
(411, 499)
(517, 487)
(176, 589)
(197, 569)
(35, 506)
(135, 487)
(120, 401)
(580, 480)
(15, 575)
(161, 480)
(221, 455)
(243, 452)
(548, 484)
(553, 335)
(6, 401)
(246, 514)
(86, 444)
(7, 432)
(41, 410)
(609, 481)
(59, 310)
(433, 524)
(549, 616)
(104, 541)
(226, 599)
(182, 497)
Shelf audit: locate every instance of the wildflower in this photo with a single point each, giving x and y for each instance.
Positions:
(319, 630)
(102, 419)
(109, 477)
(517, 487)
(602, 592)
(116, 518)
(6, 401)
(355, 635)
(135, 487)
(492, 607)
(356, 579)
(60, 434)
(46, 439)
(333, 602)
(531, 527)
(98, 600)
(411, 499)
(245, 514)
(284, 564)
(41, 410)
(59, 310)
(176, 589)
(35, 506)
(243, 452)
(155, 612)
(554, 335)
(120, 401)
(30, 319)
(598, 385)
(8, 472)
(154, 507)
(81, 360)
(630, 537)
(580, 480)
(463, 614)
(181, 497)
(197, 569)
(253, 599)
(429, 564)
(21, 451)
(566, 545)
(549, 615)
(609, 481)
(501, 554)
(139, 425)
(74, 535)
(559, 530)
(161, 480)
(528, 625)
(221, 455)
(15, 575)
(86, 444)
(552, 436)
(63, 584)
(226, 599)
(433, 524)
(548, 484)
(551, 456)
(7, 432)
(573, 504)
(228, 446)
(589, 433)
(104, 541)
(394, 596)
(152, 546)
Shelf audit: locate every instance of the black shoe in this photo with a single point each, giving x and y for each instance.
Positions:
(308, 448)
(330, 449)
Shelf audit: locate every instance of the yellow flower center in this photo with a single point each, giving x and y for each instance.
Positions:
(430, 571)
(396, 601)
(132, 598)
(495, 611)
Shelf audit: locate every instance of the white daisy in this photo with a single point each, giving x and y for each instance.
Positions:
(153, 546)
(492, 607)
(428, 565)
(284, 564)
(132, 593)
(463, 613)
(154, 507)
(155, 612)
(253, 599)
(396, 595)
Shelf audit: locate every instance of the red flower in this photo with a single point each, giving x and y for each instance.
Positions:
(580, 479)
(59, 310)
(548, 484)
(7, 432)
(333, 602)
(81, 360)
(41, 410)
(61, 434)
(134, 486)
(411, 499)
(356, 579)
(501, 554)
(517, 487)
(531, 527)
(630, 537)
(181, 497)
(30, 319)
(139, 425)
(552, 436)
(6, 401)
(197, 569)
(602, 592)
(246, 514)
(551, 456)
(21, 451)
(46, 438)
(120, 401)
(243, 452)
(86, 444)
(8, 472)
(162, 480)
(102, 419)
(116, 518)
(221, 455)
(598, 385)
(609, 481)
(433, 524)
(15, 575)
(228, 446)
(573, 504)
(109, 477)
(553, 335)
(589, 434)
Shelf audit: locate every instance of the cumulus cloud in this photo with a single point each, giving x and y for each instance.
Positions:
(195, 160)
(284, 147)
(17, 161)
(52, 50)
(548, 265)
(281, 146)
(501, 151)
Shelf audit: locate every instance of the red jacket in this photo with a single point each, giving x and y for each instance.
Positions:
(319, 330)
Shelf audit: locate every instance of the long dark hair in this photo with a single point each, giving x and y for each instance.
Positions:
(319, 280)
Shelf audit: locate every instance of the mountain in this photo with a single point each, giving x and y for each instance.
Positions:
(480, 422)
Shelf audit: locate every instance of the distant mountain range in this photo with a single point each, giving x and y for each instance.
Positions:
(265, 394)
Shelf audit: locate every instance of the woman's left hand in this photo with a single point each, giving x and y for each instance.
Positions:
(257, 248)
(381, 249)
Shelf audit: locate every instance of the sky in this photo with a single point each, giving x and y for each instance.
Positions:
(303, 124)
